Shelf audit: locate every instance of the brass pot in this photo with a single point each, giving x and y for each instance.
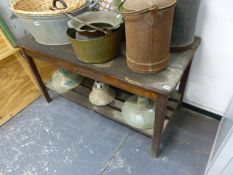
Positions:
(96, 50)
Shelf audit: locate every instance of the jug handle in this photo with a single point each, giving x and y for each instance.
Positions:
(99, 85)
(143, 102)
(154, 8)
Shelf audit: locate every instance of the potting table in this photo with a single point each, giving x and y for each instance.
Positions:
(159, 87)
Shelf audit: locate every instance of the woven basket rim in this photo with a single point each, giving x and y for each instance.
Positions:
(49, 12)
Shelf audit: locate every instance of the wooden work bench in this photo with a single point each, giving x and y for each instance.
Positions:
(159, 87)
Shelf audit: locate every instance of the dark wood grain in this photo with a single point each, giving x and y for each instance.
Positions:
(128, 85)
(160, 113)
(184, 80)
(117, 69)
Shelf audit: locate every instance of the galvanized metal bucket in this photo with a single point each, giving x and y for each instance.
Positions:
(148, 35)
(51, 29)
(184, 24)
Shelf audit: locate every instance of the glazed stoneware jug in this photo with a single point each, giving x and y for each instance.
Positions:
(101, 94)
(63, 80)
(139, 112)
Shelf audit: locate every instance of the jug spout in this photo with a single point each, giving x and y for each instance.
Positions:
(143, 102)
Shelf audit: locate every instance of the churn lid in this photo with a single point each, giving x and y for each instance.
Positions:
(143, 4)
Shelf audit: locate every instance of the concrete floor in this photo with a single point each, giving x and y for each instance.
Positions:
(66, 139)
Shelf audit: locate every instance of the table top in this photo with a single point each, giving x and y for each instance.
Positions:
(163, 82)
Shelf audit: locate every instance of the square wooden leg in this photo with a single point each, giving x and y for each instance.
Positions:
(184, 80)
(161, 106)
(36, 76)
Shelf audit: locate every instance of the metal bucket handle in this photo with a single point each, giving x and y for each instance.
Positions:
(70, 15)
(92, 4)
(54, 4)
(136, 12)
(152, 10)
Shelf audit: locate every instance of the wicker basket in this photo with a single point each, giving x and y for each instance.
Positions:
(43, 7)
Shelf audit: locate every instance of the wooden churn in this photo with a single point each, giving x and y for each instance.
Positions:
(148, 33)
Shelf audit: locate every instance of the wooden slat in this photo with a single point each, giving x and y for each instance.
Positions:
(176, 96)
(113, 110)
(117, 104)
(173, 105)
(83, 90)
(173, 102)
(87, 82)
(106, 111)
(170, 113)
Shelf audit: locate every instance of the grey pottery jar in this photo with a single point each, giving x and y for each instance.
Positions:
(184, 24)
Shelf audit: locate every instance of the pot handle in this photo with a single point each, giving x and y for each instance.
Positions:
(54, 6)
(154, 8)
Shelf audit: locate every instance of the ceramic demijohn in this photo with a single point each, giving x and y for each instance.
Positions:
(101, 94)
(63, 80)
(139, 112)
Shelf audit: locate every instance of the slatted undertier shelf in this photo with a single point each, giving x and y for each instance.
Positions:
(113, 110)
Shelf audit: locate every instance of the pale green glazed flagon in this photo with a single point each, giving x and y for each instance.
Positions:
(63, 80)
(139, 112)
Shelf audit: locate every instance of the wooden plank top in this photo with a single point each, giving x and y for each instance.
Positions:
(163, 82)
